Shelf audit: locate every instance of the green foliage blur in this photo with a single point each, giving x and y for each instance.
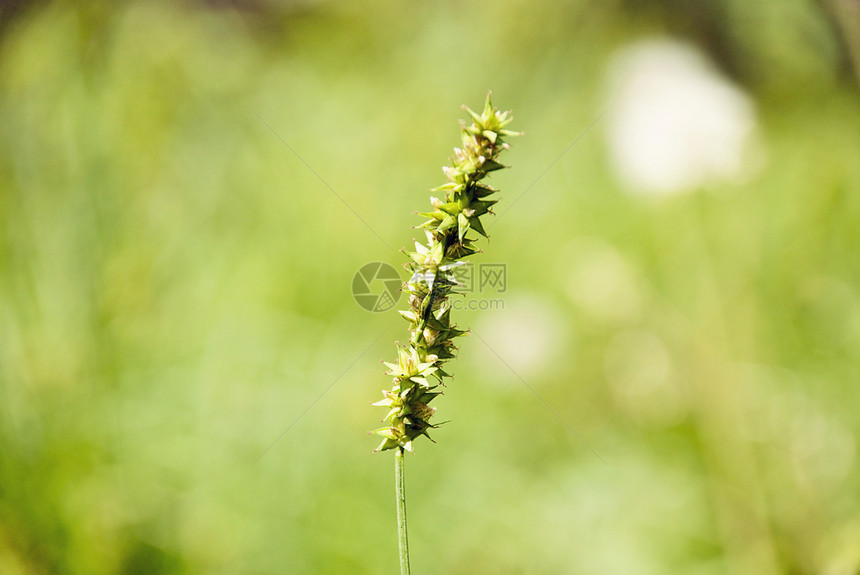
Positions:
(187, 188)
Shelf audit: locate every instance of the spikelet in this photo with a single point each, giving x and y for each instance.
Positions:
(417, 373)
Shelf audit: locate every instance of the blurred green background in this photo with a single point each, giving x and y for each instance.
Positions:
(175, 287)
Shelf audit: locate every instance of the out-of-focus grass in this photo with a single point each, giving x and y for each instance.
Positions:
(175, 293)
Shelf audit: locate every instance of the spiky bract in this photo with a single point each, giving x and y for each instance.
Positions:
(418, 372)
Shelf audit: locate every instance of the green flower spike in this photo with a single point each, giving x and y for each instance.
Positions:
(417, 373)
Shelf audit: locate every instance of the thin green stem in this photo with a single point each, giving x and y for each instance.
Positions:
(400, 487)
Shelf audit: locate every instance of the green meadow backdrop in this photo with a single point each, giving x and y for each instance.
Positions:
(668, 382)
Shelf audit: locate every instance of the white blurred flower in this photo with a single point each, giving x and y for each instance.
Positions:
(674, 122)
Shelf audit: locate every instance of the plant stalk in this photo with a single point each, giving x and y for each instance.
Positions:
(400, 488)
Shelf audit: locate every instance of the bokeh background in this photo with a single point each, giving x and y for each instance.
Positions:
(187, 188)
